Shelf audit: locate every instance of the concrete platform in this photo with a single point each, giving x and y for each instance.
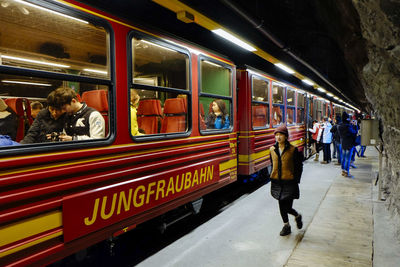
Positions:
(344, 225)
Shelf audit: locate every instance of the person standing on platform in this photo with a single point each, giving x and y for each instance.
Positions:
(325, 136)
(336, 140)
(287, 167)
(315, 130)
(347, 135)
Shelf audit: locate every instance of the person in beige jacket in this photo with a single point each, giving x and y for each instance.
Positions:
(287, 167)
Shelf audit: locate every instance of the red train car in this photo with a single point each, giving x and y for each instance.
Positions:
(155, 154)
(264, 103)
(174, 127)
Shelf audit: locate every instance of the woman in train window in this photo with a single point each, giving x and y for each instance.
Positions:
(287, 167)
(218, 118)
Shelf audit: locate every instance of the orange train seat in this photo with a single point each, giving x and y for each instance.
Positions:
(16, 104)
(28, 111)
(202, 118)
(149, 115)
(174, 116)
(98, 99)
(259, 116)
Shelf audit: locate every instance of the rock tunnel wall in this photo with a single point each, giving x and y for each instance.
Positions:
(380, 27)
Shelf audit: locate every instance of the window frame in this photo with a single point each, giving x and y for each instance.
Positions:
(131, 85)
(260, 102)
(229, 98)
(109, 82)
(301, 108)
(293, 107)
(279, 105)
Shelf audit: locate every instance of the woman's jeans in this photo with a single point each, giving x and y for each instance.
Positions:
(346, 158)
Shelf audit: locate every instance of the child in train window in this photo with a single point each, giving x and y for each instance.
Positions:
(218, 117)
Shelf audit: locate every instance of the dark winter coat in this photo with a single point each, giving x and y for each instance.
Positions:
(43, 124)
(9, 125)
(286, 172)
(335, 133)
(347, 135)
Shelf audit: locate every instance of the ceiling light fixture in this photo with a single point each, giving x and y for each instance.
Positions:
(285, 68)
(234, 39)
(35, 61)
(28, 83)
(50, 11)
(321, 89)
(307, 82)
(330, 94)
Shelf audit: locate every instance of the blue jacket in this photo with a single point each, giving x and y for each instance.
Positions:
(5, 140)
(217, 124)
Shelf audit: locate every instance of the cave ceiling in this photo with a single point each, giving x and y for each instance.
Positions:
(325, 34)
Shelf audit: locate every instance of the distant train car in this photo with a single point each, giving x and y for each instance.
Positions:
(264, 103)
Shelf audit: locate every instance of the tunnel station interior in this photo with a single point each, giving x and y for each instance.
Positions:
(349, 47)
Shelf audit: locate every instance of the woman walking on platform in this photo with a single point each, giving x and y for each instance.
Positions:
(287, 167)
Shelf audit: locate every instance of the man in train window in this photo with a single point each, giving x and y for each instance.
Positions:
(81, 122)
(48, 123)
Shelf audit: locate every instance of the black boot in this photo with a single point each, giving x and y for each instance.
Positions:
(299, 222)
(286, 230)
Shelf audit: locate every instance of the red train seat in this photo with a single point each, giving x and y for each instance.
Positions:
(28, 111)
(259, 116)
(149, 115)
(98, 99)
(16, 104)
(174, 116)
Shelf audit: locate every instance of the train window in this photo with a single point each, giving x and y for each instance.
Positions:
(38, 38)
(300, 108)
(260, 89)
(158, 112)
(158, 65)
(259, 104)
(215, 101)
(18, 92)
(60, 62)
(278, 107)
(319, 110)
(290, 106)
(290, 97)
(159, 95)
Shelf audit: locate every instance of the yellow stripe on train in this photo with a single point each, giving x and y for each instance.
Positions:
(29, 227)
